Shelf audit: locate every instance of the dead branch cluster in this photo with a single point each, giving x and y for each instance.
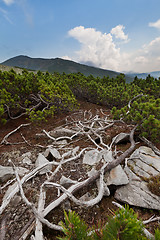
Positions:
(83, 126)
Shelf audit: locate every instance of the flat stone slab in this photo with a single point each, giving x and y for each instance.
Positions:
(116, 176)
(143, 163)
(136, 193)
(92, 157)
(7, 172)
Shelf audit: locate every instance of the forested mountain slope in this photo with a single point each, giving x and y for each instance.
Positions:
(59, 65)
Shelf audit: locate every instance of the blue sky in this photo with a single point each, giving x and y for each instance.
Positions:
(120, 35)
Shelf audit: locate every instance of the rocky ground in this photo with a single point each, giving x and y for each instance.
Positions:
(16, 217)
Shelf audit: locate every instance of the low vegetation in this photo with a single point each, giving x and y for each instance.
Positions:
(123, 225)
(38, 95)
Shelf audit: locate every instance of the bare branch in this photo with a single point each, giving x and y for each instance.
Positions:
(4, 141)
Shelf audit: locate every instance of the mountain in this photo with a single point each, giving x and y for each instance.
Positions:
(59, 65)
(155, 74)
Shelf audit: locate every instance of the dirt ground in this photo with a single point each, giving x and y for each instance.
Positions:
(17, 215)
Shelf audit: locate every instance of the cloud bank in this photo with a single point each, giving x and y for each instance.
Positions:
(101, 50)
(155, 24)
(96, 47)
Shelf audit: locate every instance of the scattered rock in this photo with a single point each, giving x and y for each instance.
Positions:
(121, 138)
(143, 163)
(66, 182)
(7, 172)
(41, 160)
(61, 132)
(136, 193)
(116, 176)
(53, 151)
(91, 157)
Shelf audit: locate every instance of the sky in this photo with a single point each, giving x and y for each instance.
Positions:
(118, 35)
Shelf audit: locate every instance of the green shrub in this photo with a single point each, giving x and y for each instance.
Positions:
(124, 225)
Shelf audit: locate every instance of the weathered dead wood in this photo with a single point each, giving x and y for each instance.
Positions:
(31, 205)
(76, 187)
(4, 141)
(129, 104)
(94, 128)
(89, 203)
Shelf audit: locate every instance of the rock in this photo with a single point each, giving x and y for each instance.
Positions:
(92, 172)
(71, 152)
(27, 160)
(7, 172)
(61, 132)
(143, 163)
(116, 176)
(53, 151)
(66, 182)
(91, 157)
(120, 138)
(41, 160)
(107, 155)
(136, 193)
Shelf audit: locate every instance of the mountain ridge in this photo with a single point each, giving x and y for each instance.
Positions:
(59, 65)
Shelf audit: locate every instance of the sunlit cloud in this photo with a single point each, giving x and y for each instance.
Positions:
(100, 50)
(155, 24)
(66, 57)
(119, 33)
(96, 47)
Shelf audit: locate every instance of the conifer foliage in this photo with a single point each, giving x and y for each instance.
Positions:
(38, 95)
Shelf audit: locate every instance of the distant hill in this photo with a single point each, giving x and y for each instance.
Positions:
(155, 74)
(59, 65)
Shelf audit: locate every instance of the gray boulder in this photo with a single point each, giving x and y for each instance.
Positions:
(7, 172)
(116, 176)
(41, 160)
(143, 163)
(92, 157)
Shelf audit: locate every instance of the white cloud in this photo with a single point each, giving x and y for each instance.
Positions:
(141, 60)
(66, 57)
(96, 47)
(155, 24)
(119, 33)
(100, 50)
(8, 2)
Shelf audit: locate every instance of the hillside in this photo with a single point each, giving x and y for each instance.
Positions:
(155, 74)
(59, 65)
